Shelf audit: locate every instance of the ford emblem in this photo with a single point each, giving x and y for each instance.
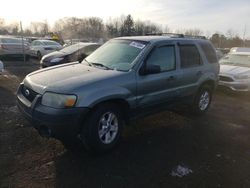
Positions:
(27, 92)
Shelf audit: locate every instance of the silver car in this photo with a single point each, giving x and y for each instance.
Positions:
(235, 71)
(1, 67)
(39, 48)
(10, 46)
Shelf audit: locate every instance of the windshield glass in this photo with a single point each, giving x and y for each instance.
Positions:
(72, 48)
(117, 54)
(51, 43)
(236, 59)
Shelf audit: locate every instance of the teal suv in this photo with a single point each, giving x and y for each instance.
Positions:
(124, 79)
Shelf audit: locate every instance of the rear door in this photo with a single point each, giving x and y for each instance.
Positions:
(191, 66)
(153, 89)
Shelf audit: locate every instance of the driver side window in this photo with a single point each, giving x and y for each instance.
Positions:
(164, 57)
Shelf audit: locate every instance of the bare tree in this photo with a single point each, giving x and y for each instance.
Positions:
(194, 32)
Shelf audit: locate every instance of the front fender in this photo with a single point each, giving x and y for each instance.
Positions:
(97, 96)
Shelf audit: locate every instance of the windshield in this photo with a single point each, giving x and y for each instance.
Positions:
(51, 43)
(236, 59)
(117, 54)
(72, 48)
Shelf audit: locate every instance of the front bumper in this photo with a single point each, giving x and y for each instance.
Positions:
(236, 85)
(51, 122)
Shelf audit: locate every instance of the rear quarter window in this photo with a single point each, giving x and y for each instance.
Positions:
(209, 52)
(190, 56)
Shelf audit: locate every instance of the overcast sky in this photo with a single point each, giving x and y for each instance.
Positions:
(208, 15)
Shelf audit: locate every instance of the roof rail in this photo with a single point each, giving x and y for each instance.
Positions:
(177, 35)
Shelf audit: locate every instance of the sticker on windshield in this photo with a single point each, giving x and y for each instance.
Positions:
(137, 45)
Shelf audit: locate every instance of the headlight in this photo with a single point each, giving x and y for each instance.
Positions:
(58, 100)
(241, 77)
(55, 60)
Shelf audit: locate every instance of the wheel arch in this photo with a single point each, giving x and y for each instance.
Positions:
(122, 103)
(210, 83)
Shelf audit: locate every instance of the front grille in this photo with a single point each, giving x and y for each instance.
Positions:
(226, 79)
(28, 93)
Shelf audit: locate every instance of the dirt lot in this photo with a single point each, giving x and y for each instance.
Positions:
(215, 148)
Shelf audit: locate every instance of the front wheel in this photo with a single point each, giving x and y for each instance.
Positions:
(102, 130)
(202, 100)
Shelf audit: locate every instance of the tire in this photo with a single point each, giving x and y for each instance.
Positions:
(202, 100)
(102, 130)
(39, 55)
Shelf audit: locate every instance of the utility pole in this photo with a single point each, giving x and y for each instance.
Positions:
(24, 56)
(244, 35)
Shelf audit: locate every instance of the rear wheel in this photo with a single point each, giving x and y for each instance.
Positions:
(202, 100)
(102, 131)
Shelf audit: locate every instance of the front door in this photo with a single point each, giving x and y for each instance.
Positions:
(158, 88)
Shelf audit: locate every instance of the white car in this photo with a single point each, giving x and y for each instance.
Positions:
(235, 71)
(239, 49)
(13, 47)
(39, 48)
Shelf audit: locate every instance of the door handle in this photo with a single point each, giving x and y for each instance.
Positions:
(171, 78)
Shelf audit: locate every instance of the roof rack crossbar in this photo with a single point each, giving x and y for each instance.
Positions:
(176, 35)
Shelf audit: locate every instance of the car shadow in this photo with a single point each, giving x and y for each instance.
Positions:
(145, 158)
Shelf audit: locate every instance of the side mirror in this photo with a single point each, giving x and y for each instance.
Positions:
(1, 66)
(150, 69)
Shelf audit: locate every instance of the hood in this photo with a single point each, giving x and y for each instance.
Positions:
(66, 78)
(234, 70)
(53, 55)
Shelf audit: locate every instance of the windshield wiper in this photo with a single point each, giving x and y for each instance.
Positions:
(90, 64)
(97, 65)
(101, 65)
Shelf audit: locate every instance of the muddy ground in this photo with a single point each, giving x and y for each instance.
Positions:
(215, 148)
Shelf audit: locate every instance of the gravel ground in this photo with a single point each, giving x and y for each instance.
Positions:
(208, 151)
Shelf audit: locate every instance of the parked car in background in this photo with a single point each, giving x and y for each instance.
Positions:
(39, 48)
(235, 71)
(69, 42)
(1, 67)
(124, 79)
(239, 49)
(13, 47)
(219, 53)
(224, 50)
(75, 52)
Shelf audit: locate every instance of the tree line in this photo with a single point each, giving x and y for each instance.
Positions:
(94, 28)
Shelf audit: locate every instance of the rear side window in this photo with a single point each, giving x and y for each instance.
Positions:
(164, 57)
(190, 56)
(10, 40)
(209, 52)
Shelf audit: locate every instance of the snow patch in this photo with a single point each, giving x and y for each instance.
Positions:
(181, 171)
